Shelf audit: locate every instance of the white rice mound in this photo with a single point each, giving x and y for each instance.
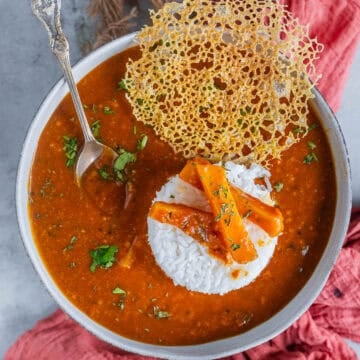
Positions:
(187, 262)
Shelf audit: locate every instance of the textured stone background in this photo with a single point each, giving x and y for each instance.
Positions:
(27, 72)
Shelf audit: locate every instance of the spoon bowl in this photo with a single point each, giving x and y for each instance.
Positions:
(90, 152)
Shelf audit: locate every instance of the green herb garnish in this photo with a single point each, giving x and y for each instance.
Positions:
(119, 291)
(70, 148)
(309, 158)
(122, 293)
(313, 126)
(311, 145)
(223, 210)
(142, 143)
(95, 128)
(72, 241)
(104, 173)
(103, 256)
(235, 247)
(122, 85)
(108, 110)
(278, 186)
(140, 101)
(124, 158)
(159, 314)
(299, 130)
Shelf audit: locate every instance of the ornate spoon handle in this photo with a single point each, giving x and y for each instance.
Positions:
(48, 12)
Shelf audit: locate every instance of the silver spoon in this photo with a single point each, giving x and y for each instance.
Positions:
(48, 12)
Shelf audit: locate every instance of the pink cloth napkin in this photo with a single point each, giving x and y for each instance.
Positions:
(319, 333)
(336, 23)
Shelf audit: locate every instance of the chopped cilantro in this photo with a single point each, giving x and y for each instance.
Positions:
(140, 101)
(309, 158)
(235, 247)
(223, 210)
(218, 217)
(299, 130)
(72, 241)
(119, 291)
(142, 143)
(122, 293)
(95, 128)
(159, 314)
(122, 85)
(104, 173)
(278, 186)
(313, 126)
(70, 148)
(311, 145)
(124, 158)
(103, 256)
(108, 110)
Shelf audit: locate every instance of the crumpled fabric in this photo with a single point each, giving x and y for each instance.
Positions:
(336, 24)
(319, 333)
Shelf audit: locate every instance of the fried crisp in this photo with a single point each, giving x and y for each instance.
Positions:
(224, 79)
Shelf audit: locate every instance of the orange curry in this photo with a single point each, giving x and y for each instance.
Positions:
(134, 297)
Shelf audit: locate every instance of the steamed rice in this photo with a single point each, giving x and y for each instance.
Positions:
(187, 262)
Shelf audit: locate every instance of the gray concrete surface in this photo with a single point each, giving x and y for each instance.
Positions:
(27, 73)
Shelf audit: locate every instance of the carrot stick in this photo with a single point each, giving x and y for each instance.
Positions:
(198, 224)
(189, 172)
(229, 221)
(267, 217)
(129, 258)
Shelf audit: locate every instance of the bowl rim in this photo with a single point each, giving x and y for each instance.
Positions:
(219, 348)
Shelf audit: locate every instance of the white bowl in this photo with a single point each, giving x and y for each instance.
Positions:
(214, 349)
